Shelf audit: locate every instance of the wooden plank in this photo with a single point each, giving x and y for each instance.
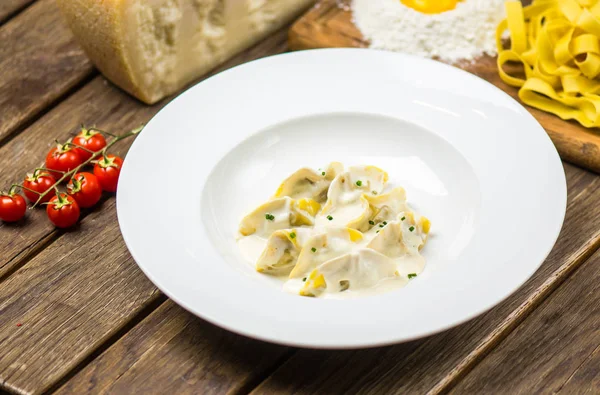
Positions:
(100, 103)
(40, 62)
(323, 371)
(329, 24)
(97, 103)
(556, 348)
(587, 376)
(84, 288)
(173, 351)
(435, 363)
(68, 299)
(10, 7)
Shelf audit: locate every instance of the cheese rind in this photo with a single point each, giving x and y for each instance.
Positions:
(153, 48)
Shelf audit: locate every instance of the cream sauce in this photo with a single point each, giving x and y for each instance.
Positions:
(339, 256)
(383, 286)
(251, 247)
(343, 215)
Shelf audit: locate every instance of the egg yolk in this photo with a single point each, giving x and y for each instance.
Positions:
(431, 6)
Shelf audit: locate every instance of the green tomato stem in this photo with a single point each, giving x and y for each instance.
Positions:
(102, 132)
(47, 170)
(15, 186)
(80, 147)
(95, 154)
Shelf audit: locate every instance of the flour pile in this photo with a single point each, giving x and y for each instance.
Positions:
(466, 32)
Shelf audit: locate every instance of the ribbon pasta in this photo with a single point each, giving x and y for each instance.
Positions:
(557, 42)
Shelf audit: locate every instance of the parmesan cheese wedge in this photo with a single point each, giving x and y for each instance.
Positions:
(153, 48)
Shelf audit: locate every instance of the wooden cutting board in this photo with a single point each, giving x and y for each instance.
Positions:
(329, 24)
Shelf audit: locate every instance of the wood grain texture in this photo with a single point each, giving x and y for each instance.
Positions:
(556, 345)
(98, 103)
(328, 25)
(434, 364)
(10, 7)
(71, 300)
(40, 62)
(172, 351)
(68, 300)
(586, 377)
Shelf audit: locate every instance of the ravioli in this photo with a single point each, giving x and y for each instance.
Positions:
(336, 232)
(347, 204)
(390, 241)
(308, 183)
(415, 231)
(396, 241)
(279, 214)
(387, 206)
(325, 246)
(351, 272)
(282, 251)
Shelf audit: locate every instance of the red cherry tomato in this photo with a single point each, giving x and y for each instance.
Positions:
(85, 189)
(90, 140)
(62, 158)
(63, 211)
(107, 169)
(40, 182)
(12, 207)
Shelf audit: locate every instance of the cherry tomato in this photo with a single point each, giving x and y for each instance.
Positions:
(90, 140)
(12, 207)
(39, 182)
(63, 211)
(85, 189)
(62, 158)
(107, 169)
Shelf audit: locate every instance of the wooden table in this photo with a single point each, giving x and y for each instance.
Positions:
(77, 315)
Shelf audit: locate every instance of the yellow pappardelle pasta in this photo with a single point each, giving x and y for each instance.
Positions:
(557, 42)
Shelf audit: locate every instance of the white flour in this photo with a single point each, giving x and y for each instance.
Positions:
(463, 33)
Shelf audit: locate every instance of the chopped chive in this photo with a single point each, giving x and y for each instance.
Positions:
(374, 192)
(329, 217)
(269, 217)
(313, 249)
(384, 222)
(322, 173)
(381, 225)
(304, 279)
(402, 219)
(292, 235)
(411, 228)
(412, 275)
(377, 232)
(359, 183)
(371, 222)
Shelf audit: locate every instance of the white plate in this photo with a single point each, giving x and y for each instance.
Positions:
(471, 159)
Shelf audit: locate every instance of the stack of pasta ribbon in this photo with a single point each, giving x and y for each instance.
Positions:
(557, 42)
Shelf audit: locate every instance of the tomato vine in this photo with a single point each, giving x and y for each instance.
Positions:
(64, 163)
